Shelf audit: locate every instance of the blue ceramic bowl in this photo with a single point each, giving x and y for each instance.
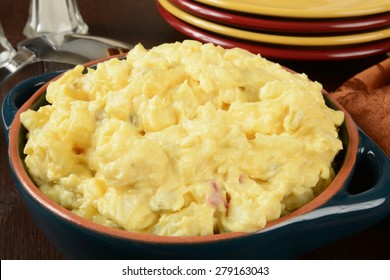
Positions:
(358, 197)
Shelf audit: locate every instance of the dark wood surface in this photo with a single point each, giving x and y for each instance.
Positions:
(136, 21)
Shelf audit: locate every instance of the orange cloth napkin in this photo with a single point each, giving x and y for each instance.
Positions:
(366, 97)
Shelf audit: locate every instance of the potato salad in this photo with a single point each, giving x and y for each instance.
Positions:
(182, 139)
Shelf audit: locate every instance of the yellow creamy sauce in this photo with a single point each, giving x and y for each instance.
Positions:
(183, 139)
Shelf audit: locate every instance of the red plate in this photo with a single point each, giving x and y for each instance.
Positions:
(277, 51)
(284, 25)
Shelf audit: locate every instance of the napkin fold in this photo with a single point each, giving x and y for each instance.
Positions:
(366, 97)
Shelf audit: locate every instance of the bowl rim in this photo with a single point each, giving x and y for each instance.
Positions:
(27, 184)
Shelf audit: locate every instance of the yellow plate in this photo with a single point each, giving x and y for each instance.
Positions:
(304, 8)
(276, 39)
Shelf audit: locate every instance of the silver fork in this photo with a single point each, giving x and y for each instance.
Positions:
(68, 48)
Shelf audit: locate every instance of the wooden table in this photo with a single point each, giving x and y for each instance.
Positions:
(136, 21)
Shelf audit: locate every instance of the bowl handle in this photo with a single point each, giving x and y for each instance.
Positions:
(365, 197)
(370, 180)
(18, 95)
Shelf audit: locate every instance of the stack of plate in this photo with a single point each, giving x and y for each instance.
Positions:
(284, 29)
